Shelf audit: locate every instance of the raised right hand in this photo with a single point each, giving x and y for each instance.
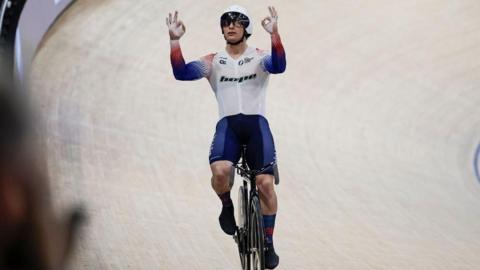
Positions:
(176, 28)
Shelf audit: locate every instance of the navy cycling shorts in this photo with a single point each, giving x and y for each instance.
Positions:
(252, 130)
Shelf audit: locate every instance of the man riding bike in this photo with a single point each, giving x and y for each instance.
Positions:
(238, 76)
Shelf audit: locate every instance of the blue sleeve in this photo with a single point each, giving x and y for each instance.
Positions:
(186, 72)
(275, 63)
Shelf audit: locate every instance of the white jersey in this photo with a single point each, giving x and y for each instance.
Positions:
(239, 84)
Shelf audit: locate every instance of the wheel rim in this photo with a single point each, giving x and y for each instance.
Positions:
(241, 233)
(255, 254)
(256, 240)
(241, 207)
(241, 248)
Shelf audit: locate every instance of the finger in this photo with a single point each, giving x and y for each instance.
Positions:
(166, 20)
(270, 10)
(265, 21)
(170, 18)
(180, 23)
(175, 17)
(274, 11)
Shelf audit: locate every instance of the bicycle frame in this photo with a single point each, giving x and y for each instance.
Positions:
(250, 198)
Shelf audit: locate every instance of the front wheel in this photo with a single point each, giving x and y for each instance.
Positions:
(242, 206)
(257, 258)
(242, 228)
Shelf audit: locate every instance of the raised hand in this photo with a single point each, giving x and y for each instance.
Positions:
(270, 22)
(176, 28)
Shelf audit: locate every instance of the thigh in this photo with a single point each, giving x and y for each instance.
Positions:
(225, 145)
(261, 147)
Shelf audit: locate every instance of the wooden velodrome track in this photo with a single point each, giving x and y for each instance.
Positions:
(376, 123)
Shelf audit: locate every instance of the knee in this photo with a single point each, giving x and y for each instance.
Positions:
(220, 177)
(265, 185)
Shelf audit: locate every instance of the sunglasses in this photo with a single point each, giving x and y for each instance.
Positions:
(236, 18)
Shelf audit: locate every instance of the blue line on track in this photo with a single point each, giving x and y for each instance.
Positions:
(476, 164)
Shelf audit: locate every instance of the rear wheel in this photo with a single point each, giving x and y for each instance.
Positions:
(257, 258)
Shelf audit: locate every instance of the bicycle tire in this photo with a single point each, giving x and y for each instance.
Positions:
(257, 256)
(242, 227)
(241, 208)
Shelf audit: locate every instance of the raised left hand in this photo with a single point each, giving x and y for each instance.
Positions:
(270, 22)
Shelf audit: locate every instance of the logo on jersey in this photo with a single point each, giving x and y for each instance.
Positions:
(223, 61)
(246, 60)
(241, 79)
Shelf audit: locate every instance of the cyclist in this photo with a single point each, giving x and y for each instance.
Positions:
(238, 76)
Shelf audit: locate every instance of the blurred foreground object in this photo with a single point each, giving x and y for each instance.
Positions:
(31, 236)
